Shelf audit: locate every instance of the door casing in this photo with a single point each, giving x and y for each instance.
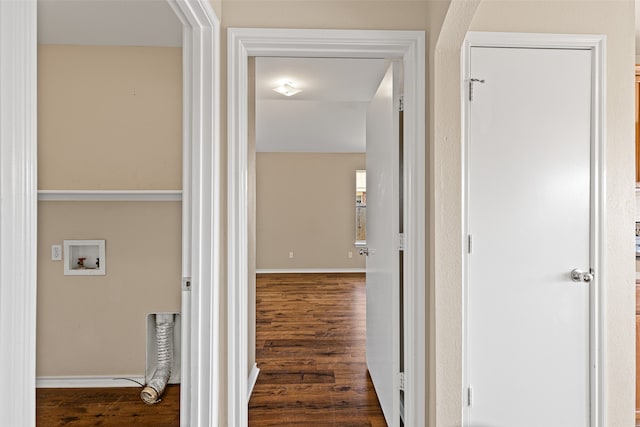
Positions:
(201, 210)
(408, 46)
(595, 43)
(201, 213)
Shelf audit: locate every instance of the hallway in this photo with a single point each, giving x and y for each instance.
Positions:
(310, 346)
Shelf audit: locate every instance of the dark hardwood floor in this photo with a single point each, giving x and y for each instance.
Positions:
(311, 351)
(310, 347)
(106, 407)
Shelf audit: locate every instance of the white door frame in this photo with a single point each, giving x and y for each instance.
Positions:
(406, 45)
(18, 211)
(595, 43)
(201, 211)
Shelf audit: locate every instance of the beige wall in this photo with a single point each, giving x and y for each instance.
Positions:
(109, 118)
(306, 204)
(96, 325)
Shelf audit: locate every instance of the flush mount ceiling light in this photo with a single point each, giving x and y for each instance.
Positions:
(287, 89)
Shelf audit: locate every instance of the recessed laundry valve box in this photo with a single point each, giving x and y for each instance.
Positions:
(85, 258)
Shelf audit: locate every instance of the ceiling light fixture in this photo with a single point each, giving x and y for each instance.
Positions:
(287, 89)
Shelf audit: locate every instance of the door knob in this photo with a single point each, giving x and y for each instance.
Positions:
(579, 276)
(366, 251)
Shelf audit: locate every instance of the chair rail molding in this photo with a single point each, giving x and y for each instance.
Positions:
(110, 195)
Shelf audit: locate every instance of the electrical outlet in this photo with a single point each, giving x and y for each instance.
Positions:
(290, 254)
(350, 254)
(56, 252)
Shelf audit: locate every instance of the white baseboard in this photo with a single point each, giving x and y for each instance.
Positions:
(89, 381)
(309, 270)
(253, 377)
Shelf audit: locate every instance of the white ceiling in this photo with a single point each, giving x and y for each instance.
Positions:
(108, 22)
(328, 116)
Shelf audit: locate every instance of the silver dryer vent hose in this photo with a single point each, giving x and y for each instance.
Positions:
(151, 393)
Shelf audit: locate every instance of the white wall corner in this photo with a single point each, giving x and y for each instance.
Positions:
(18, 210)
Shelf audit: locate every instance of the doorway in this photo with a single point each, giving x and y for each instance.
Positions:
(405, 46)
(201, 225)
(310, 291)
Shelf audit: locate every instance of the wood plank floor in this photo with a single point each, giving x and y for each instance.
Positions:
(311, 350)
(106, 407)
(310, 347)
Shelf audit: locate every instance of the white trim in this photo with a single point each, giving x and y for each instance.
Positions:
(253, 377)
(110, 195)
(82, 381)
(18, 211)
(201, 213)
(534, 40)
(310, 270)
(599, 244)
(637, 216)
(595, 43)
(406, 45)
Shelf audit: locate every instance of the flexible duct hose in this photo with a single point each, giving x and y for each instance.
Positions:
(164, 339)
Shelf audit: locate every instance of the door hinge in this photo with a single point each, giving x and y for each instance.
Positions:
(469, 243)
(401, 381)
(186, 283)
(469, 396)
(401, 241)
(471, 82)
(401, 104)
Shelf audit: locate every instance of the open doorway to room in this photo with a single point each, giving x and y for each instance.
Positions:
(110, 168)
(408, 48)
(310, 324)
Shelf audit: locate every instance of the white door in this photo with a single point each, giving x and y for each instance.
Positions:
(529, 220)
(382, 262)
